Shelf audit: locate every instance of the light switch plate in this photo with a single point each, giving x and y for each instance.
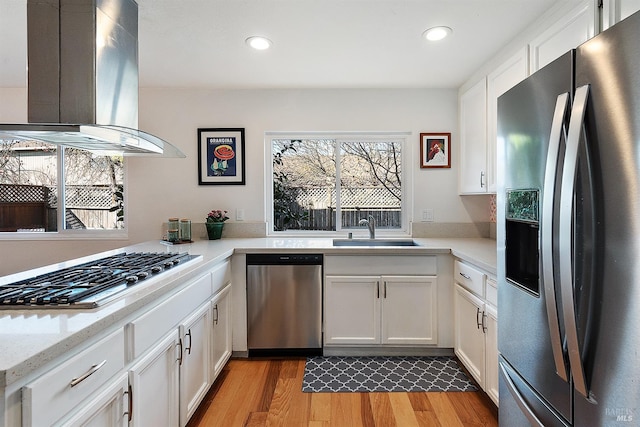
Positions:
(427, 215)
(239, 214)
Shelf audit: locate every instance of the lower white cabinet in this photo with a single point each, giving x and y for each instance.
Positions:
(469, 332)
(373, 310)
(154, 381)
(195, 378)
(109, 408)
(491, 353)
(476, 326)
(221, 331)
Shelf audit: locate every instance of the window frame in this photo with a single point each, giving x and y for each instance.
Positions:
(405, 204)
(68, 234)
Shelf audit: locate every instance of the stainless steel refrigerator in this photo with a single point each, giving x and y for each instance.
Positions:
(568, 237)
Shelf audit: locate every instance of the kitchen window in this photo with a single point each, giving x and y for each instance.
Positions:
(54, 190)
(328, 183)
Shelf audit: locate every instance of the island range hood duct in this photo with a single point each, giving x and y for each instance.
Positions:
(83, 78)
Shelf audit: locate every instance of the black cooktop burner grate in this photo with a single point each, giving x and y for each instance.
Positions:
(86, 284)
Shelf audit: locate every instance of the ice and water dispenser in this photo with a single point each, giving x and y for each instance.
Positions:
(522, 239)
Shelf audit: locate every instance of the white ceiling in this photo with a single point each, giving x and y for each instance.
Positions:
(316, 43)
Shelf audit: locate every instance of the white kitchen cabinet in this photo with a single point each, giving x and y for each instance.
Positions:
(568, 32)
(221, 331)
(195, 334)
(501, 79)
(380, 310)
(491, 350)
(109, 408)
(614, 11)
(61, 391)
(473, 139)
(476, 326)
(154, 381)
(352, 310)
(469, 336)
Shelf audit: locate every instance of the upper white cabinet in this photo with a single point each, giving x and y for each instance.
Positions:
(478, 124)
(501, 79)
(614, 11)
(568, 32)
(473, 139)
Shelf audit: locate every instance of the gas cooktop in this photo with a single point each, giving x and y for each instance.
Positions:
(90, 284)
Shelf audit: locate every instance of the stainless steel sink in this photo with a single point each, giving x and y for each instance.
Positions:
(374, 242)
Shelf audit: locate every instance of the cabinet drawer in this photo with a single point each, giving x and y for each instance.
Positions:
(469, 277)
(147, 329)
(52, 395)
(492, 292)
(220, 276)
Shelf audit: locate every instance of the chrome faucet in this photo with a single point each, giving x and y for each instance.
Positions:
(370, 222)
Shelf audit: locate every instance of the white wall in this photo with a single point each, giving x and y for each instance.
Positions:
(161, 188)
(176, 114)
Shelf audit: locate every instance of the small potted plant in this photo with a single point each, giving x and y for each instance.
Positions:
(215, 223)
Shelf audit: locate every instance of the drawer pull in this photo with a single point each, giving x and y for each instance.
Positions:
(188, 349)
(466, 276)
(74, 382)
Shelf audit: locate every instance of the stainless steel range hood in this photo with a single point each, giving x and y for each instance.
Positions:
(83, 78)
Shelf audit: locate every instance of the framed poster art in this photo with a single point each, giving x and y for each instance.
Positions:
(435, 150)
(221, 156)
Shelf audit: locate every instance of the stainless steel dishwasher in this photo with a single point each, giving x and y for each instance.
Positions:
(284, 304)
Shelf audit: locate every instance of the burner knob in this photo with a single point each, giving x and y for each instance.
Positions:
(142, 275)
(156, 269)
(131, 279)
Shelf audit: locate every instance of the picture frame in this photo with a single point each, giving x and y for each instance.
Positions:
(435, 150)
(221, 159)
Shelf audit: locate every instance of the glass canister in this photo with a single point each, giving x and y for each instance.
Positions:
(185, 230)
(173, 230)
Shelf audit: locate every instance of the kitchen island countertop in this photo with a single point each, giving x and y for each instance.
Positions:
(32, 338)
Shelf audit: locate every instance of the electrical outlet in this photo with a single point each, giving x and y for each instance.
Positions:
(427, 215)
(239, 214)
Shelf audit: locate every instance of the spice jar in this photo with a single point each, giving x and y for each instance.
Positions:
(172, 230)
(185, 230)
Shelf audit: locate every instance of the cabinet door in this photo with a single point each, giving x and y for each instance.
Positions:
(491, 342)
(614, 11)
(507, 75)
(109, 408)
(154, 384)
(352, 310)
(573, 29)
(469, 338)
(473, 139)
(221, 342)
(195, 333)
(409, 310)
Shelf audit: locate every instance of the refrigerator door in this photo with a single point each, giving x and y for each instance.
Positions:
(525, 115)
(609, 65)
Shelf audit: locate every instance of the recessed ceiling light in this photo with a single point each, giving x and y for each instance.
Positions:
(437, 33)
(258, 42)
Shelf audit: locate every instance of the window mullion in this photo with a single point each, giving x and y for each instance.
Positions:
(338, 186)
(61, 191)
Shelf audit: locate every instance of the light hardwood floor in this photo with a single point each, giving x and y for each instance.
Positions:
(269, 392)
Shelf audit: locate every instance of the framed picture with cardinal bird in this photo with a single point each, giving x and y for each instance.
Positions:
(435, 150)
(221, 156)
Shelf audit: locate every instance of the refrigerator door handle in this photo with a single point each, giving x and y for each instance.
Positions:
(566, 238)
(558, 131)
(526, 410)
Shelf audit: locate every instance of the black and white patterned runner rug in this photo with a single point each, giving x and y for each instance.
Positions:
(390, 374)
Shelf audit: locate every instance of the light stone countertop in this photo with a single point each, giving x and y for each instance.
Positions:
(31, 338)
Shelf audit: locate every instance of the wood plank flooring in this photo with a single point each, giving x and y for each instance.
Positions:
(269, 393)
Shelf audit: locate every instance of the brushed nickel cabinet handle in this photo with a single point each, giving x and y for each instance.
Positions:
(188, 349)
(466, 276)
(75, 381)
